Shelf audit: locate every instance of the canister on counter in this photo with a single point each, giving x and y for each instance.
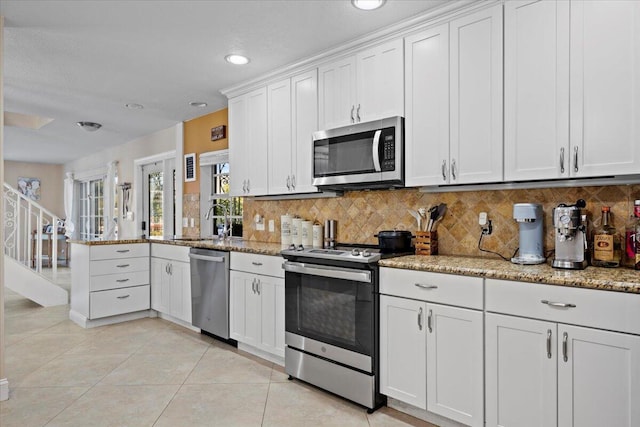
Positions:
(317, 236)
(307, 233)
(296, 231)
(285, 229)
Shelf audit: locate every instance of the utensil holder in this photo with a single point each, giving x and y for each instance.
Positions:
(426, 243)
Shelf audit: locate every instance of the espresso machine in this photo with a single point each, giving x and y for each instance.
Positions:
(570, 223)
(529, 219)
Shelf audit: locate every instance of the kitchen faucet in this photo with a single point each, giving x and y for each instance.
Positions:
(226, 228)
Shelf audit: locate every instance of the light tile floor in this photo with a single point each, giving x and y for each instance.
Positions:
(151, 372)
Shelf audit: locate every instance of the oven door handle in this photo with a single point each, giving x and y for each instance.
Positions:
(325, 271)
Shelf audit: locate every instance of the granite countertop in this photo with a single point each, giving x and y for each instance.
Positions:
(610, 279)
(236, 245)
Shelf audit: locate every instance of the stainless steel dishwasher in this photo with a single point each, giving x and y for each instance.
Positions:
(210, 291)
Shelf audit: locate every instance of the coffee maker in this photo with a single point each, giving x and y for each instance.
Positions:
(570, 223)
(529, 219)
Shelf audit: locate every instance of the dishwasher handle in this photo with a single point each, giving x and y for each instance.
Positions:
(207, 258)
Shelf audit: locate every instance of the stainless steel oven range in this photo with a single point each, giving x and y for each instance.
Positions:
(332, 321)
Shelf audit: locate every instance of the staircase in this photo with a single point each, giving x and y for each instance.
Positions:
(24, 240)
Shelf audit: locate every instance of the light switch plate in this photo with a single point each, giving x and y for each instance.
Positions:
(185, 222)
(260, 226)
(193, 222)
(272, 225)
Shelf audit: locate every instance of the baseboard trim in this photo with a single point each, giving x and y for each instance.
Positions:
(177, 321)
(421, 414)
(278, 360)
(4, 389)
(81, 320)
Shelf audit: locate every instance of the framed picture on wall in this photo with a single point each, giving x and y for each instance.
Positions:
(30, 187)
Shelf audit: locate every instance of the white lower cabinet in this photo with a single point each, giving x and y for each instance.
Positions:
(171, 281)
(544, 372)
(257, 302)
(431, 354)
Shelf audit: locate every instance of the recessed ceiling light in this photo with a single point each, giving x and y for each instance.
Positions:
(198, 104)
(368, 4)
(134, 106)
(237, 59)
(89, 126)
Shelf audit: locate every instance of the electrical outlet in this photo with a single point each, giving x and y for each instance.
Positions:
(185, 222)
(272, 226)
(260, 226)
(485, 223)
(482, 219)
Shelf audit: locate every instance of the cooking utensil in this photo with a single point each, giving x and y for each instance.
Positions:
(394, 240)
(433, 214)
(442, 209)
(417, 216)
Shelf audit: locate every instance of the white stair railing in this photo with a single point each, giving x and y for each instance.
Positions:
(24, 236)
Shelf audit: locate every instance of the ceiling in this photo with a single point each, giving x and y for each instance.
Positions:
(76, 61)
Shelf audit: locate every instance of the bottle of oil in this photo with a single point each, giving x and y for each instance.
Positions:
(606, 243)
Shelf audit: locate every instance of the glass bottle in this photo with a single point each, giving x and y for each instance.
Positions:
(606, 243)
(629, 256)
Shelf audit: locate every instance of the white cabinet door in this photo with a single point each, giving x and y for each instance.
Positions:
(536, 85)
(280, 151)
(157, 277)
(403, 350)
(256, 143)
(240, 282)
(237, 146)
(271, 292)
(304, 121)
(455, 366)
(599, 379)
(521, 372)
(380, 82)
(180, 290)
(337, 93)
(427, 107)
(605, 88)
(476, 97)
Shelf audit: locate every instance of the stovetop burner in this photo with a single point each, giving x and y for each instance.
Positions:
(363, 253)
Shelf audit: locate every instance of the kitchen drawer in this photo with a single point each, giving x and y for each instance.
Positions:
(119, 251)
(259, 264)
(118, 266)
(615, 311)
(116, 281)
(441, 288)
(119, 301)
(172, 252)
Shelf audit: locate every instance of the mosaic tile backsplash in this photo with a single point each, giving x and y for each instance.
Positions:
(361, 214)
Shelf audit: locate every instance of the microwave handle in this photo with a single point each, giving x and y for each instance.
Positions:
(376, 152)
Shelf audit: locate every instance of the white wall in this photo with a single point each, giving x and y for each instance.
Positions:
(51, 182)
(156, 143)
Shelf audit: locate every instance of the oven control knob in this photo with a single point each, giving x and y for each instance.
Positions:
(366, 253)
(300, 248)
(292, 247)
(355, 252)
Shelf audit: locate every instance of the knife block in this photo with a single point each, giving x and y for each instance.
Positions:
(426, 243)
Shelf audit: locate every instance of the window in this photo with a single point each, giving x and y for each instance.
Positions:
(159, 194)
(91, 209)
(221, 201)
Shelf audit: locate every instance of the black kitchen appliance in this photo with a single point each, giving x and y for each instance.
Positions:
(332, 320)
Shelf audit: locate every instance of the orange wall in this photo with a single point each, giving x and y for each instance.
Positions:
(197, 139)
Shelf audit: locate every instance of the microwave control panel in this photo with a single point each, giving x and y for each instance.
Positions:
(388, 162)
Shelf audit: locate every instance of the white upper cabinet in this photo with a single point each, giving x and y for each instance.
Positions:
(247, 144)
(476, 150)
(605, 88)
(364, 87)
(536, 85)
(293, 117)
(280, 147)
(427, 107)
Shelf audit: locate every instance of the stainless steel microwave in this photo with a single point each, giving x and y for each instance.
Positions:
(360, 156)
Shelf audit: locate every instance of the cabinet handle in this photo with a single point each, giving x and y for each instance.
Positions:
(170, 269)
(122, 280)
(575, 159)
(293, 182)
(562, 160)
(244, 185)
(429, 320)
(166, 268)
(258, 283)
(444, 170)
(258, 264)
(549, 343)
(288, 183)
(558, 304)
(453, 169)
(122, 265)
(253, 286)
(248, 185)
(358, 113)
(565, 345)
(421, 286)
(420, 318)
(353, 107)
(123, 296)
(122, 251)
